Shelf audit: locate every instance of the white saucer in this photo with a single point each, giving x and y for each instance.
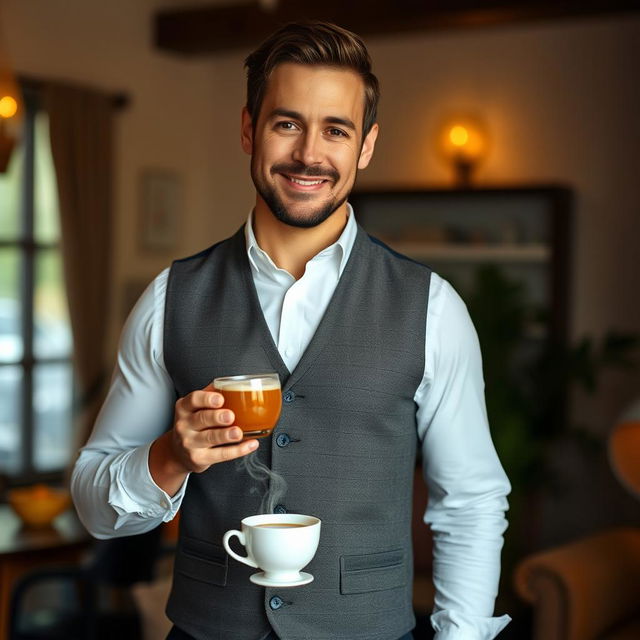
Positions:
(258, 578)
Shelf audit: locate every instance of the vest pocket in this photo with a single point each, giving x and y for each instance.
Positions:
(372, 572)
(202, 560)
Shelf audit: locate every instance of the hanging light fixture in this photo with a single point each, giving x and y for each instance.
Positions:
(9, 108)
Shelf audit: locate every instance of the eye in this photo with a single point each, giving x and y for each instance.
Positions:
(337, 133)
(286, 125)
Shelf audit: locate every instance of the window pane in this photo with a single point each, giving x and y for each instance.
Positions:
(10, 418)
(47, 215)
(52, 335)
(11, 347)
(52, 405)
(10, 195)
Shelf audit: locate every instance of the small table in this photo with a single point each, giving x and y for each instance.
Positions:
(23, 549)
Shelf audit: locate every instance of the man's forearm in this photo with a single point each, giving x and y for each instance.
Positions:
(466, 571)
(166, 472)
(115, 496)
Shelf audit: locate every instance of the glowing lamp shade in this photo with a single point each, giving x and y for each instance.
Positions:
(8, 107)
(624, 449)
(463, 143)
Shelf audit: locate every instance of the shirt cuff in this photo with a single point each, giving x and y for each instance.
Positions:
(451, 625)
(133, 491)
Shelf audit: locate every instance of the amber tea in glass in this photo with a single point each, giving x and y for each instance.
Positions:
(256, 401)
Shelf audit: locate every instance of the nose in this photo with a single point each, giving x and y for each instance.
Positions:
(308, 149)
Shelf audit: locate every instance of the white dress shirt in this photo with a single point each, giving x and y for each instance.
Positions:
(115, 494)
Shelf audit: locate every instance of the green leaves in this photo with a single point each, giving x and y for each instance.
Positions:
(528, 376)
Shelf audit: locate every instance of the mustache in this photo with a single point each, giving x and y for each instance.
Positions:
(300, 169)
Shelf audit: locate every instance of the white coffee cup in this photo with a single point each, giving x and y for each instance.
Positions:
(278, 544)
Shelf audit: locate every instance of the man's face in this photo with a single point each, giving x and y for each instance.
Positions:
(307, 145)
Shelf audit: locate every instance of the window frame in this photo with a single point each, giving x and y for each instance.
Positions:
(29, 248)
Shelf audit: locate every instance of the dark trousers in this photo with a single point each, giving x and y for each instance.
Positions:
(177, 634)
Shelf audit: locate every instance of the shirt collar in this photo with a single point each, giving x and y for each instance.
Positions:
(341, 248)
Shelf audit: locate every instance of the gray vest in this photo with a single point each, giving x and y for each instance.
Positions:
(347, 452)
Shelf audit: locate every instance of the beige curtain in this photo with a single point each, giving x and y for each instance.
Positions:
(80, 122)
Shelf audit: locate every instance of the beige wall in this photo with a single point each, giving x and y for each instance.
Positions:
(561, 101)
(167, 125)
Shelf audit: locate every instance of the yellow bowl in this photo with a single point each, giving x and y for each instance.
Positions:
(38, 505)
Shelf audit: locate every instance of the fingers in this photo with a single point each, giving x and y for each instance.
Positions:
(201, 399)
(194, 411)
(206, 418)
(231, 452)
(214, 437)
(203, 431)
(199, 459)
(206, 428)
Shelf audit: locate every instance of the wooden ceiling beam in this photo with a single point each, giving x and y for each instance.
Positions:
(205, 30)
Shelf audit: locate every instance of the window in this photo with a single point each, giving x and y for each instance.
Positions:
(36, 375)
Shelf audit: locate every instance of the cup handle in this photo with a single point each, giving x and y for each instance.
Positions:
(225, 541)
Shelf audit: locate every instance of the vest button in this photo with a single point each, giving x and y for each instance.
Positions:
(283, 440)
(280, 508)
(289, 396)
(275, 603)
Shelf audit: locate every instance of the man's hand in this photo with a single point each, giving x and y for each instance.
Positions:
(203, 434)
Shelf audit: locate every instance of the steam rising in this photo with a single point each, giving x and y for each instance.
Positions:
(273, 484)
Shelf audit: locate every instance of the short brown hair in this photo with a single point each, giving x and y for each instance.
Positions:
(311, 43)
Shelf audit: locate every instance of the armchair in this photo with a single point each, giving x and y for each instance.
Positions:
(589, 589)
(585, 590)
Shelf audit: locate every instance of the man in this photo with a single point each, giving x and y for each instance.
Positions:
(375, 353)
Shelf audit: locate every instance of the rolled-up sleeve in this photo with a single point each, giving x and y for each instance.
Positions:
(112, 487)
(466, 482)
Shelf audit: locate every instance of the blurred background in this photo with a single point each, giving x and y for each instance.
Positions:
(507, 159)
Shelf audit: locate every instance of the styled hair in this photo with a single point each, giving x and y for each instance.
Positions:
(313, 43)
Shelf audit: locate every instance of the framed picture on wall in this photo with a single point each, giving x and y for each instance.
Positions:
(161, 196)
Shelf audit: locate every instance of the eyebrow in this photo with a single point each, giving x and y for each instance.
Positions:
(295, 115)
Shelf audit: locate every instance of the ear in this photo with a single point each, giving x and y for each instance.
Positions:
(367, 147)
(246, 132)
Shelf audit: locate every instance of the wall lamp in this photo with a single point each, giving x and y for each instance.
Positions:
(463, 142)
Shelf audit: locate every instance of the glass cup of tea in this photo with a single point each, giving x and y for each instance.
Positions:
(255, 399)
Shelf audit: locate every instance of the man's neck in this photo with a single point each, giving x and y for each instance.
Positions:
(290, 248)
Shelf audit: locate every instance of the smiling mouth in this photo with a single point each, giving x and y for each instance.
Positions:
(304, 182)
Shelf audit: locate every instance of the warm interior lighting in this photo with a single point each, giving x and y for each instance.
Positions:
(269, 6)
(8, 107)
(624, 453)
(9, 93)
(463, 142)
(458, 135)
